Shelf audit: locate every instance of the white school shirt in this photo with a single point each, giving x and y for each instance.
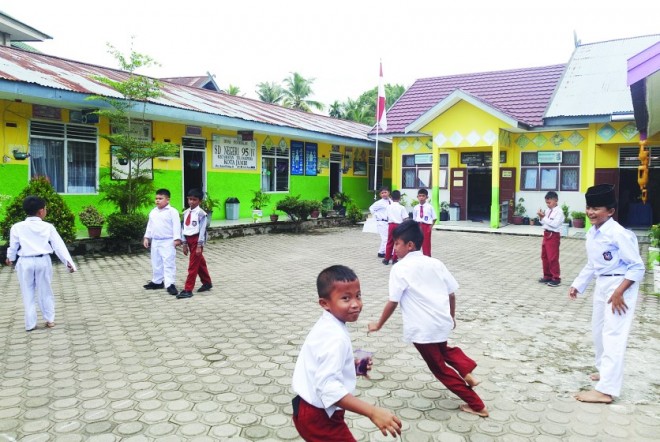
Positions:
(396, 213)
(421, 285)
(164, 224)
(36, 237)
(379, 209)
(325, 369)
(429, 213)
(553, 219)
(197, 226)
(611, 250)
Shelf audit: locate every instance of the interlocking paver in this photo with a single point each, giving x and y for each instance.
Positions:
(134, 365)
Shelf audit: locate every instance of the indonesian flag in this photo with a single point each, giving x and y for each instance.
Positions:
(382, 118)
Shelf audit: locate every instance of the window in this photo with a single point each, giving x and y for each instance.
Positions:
(66, 154)
(379, 178)
(443, 181)
(564, 175)
(416, 171)
(275, 167)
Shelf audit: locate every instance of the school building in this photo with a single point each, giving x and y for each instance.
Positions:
(562, 127)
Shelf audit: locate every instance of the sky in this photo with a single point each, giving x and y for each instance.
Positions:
(337, 43)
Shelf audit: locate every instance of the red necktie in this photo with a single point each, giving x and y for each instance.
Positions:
(188, 218)
(421, 211)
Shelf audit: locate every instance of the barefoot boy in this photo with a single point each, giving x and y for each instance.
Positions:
(614, 261)
(324, 376)
(425, 289)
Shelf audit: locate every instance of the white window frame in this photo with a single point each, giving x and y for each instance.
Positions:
(278, 154)
(549, 176)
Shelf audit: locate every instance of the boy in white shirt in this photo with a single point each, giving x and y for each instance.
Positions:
(425, 289)
(194, 226)
(379, 211)
(396, 213)
(424, 214)
(163, 235)
(31, 242)
(324, 376)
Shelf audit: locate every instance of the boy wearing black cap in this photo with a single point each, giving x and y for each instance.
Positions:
(615, 263)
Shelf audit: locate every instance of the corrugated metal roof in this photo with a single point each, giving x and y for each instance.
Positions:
(198, 82)
(58, 73)
(595, 82)
(522, 94)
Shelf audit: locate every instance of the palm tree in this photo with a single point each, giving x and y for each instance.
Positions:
(296, 92)
(233, 90)
(358, 111)
(336, 110)
(270, 92)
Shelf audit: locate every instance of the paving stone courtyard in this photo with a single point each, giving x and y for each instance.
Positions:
(128, 364)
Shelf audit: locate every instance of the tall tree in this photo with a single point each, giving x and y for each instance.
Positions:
(296, 92)
(363, 110)
(336, 110)
(270, 92)
(358, 111)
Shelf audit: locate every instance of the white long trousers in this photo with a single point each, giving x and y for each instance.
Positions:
(34, 277)
(163, 261)
(382, 227)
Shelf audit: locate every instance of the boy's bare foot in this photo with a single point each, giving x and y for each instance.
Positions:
(593, 396)
(483, 412)
(471, 380)
(50, 324)
(594, 376)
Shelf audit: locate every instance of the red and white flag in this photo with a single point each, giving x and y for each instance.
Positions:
(382, 118)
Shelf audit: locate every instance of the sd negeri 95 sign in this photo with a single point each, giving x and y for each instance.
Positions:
(233, 153)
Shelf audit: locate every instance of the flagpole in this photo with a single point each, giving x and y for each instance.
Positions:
(380, 79)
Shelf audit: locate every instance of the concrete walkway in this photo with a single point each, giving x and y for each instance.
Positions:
(128, 364)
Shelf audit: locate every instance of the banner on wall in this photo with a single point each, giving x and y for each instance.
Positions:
(233, 153)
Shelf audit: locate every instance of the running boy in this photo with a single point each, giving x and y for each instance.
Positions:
(379, 211)
(396, 213)
(424, 214)
(613, 260)
(551, 219)
(163, 235)
(195, 222)
(33, 240)
(324, 376)
(425, 289)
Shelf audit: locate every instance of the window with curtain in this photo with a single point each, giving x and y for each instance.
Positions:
(416, 172)
(443, 180)
(275, 167)
(554, 176)
(65, 153)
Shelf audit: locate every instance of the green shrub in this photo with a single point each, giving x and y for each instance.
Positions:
(127, 226)
(354, 213)
(91, 217)
(654, 235)
(293, 206)
(57, 211)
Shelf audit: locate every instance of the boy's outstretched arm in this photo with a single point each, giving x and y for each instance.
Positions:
(387, 312)
(384, 419)
(452, 307)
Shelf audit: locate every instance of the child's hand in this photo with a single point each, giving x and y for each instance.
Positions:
(177, 242)
(573, 293)
(372, 327)
(386, 421)
(618, 303)
(198, 252)
(8, 262)
(70, 267)
(145, 243)
(365, 369)
(184, 249)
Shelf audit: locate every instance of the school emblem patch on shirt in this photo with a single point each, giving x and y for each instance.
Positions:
(194, 223)
(607, 256)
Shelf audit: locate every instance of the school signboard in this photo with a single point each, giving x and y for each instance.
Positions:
(234, 153)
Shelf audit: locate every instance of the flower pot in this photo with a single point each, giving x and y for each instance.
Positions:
(94, 232)
(517, 220)
(257, 214)
(578, 223)
(444, 215)
(274, 218)
(314, 214)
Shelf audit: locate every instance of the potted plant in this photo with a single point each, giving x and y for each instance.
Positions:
(566, 211)
(654, 245)
(519, 212)
(91, 218)
(274, 216)
(258, 201)
(208, 204)
(578, 219)
(444, 211)
(314, 208)
(341, 200)
(326, 206)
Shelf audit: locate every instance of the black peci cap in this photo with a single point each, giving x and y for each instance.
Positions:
(601, 195)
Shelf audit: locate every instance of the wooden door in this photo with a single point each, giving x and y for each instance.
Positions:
(458, 190)
(508, 188)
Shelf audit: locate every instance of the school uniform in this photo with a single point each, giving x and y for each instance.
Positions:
(163, 228)
(421, 286)
(551, 223)
(324, 373)
(396, 213)
(379, 211)
(32, 241)
(613, 255)
(424, 215)
(194, 226)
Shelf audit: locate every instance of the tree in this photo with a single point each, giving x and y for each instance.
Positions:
(132, 187)
(336, 110)
(270, 92)
(358, 111)
(363, 110)
(296, 92)
(233, 90)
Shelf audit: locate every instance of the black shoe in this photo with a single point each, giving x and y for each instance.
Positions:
(554, 283)
(544, 280)
(381, 255)
(153, 286)
(172, 290)
(184, 294)
(386, 262)
(205, 288)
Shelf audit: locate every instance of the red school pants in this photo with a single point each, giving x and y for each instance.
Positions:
(196, 265)
(550, 255)
(426, 244)
(314, 425)
(389, 247)
(450, 365)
